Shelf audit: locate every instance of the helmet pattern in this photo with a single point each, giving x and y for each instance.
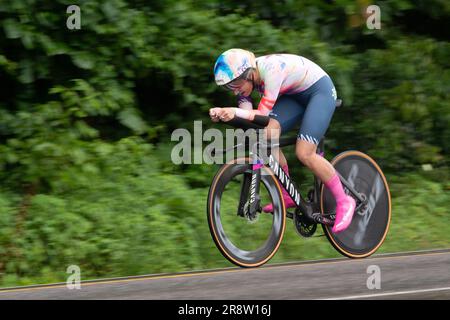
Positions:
(231, 64)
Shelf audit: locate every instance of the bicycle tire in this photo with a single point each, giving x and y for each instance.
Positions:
(369, 227)
(243, 258)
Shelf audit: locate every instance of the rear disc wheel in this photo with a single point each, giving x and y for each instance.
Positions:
(370, 224)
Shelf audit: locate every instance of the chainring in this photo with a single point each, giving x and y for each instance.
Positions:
(303, 225)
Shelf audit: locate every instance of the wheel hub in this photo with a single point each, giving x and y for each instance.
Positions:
(362, 208)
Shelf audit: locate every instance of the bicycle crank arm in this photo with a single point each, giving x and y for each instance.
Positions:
(322, 220)
(346, 184)
(319, 218)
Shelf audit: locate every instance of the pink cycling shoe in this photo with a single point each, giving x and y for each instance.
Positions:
(345, 209)
(288, 202)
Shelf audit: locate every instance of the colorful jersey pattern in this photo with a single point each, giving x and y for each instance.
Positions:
(282, 74)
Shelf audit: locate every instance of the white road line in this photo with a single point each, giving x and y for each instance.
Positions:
(388, 294)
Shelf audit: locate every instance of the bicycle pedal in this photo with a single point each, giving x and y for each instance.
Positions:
(324, 219)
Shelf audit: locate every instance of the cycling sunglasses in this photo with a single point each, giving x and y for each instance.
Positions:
(238, 82)
(235, 84)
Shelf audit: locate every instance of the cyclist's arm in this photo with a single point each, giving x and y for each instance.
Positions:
(250, 114)
(245, 103)
(267, 102)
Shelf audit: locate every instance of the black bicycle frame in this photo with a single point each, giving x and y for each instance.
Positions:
(252, 181)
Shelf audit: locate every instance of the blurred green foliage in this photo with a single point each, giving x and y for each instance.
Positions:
(86, 117)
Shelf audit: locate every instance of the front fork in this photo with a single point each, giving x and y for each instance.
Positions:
(250, 200)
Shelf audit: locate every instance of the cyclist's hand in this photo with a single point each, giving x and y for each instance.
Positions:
(227, 114)
(214, 113)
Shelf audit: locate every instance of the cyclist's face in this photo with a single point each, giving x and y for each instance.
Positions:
(241, 87)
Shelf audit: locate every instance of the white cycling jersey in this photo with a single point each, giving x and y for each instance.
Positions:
(282, 74)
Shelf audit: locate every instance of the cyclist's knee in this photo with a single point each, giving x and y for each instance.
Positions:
(273, 129)
(305, 152)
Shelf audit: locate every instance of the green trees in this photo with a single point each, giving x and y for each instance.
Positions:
(86, 117)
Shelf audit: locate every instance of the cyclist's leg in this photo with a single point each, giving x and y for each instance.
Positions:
(319, 111)
(288, 112)
(315, 122)
(285, 114)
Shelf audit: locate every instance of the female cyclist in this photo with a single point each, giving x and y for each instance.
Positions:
(295, 91)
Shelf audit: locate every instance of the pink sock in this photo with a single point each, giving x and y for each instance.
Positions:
(285, 169)
(335, 186)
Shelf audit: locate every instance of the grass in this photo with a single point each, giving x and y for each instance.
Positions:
(168, 239)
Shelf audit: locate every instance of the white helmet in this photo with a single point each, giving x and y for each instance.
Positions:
(232, 64)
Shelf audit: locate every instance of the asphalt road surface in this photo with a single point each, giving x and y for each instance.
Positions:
(418, 275)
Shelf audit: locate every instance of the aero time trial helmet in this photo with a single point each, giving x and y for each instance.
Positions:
(232, 64)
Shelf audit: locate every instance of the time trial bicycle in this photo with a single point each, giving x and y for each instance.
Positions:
(248, 237)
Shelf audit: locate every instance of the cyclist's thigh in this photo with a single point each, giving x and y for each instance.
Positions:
(288, 112)
(318, 113)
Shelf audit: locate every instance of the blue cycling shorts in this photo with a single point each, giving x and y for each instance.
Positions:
(311, 109)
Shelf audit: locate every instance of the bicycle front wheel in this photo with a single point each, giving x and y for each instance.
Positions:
(244, 241)
(370, 223)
